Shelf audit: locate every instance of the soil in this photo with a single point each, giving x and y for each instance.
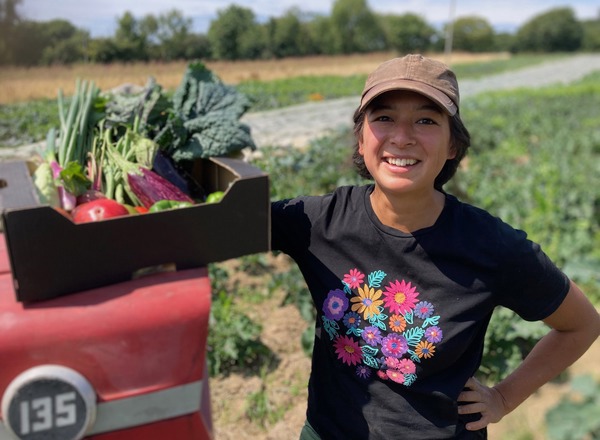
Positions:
(284, 385)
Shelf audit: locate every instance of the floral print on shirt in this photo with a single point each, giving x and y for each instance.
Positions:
(380, 327)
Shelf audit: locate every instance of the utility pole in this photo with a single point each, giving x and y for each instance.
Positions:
(450, 32)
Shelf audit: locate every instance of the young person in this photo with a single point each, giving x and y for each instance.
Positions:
(404, 278)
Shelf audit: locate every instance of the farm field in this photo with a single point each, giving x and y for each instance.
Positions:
(25, 84)
(269, 403)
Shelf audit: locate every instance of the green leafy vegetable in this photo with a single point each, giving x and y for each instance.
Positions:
(209, 112)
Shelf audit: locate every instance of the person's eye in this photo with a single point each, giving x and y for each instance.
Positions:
(426, 121)
(379, 117)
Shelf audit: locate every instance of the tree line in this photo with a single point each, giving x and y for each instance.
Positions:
(236, 34)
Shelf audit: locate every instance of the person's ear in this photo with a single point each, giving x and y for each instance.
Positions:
(451, 152)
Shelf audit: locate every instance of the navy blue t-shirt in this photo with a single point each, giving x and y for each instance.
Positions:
(401, 317)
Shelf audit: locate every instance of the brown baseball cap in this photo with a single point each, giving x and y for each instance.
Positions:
(417, 73)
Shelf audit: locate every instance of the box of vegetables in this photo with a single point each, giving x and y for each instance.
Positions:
(134, 182)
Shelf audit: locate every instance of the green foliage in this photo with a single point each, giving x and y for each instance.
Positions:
(285, 92)
(232, 32)
(473, 34)
(324, 165)
(591, 35)
(508, 340)
(288, 36)
(260, 409)
(209, 111)
(407, 33)
(27, 122)
(356, 27)
(577, 415)
(554, 31)
(233, 339)
(538, 169)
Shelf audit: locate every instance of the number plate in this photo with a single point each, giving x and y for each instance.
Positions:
(49, 402)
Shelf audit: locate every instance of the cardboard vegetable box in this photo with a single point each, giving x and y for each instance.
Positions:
(51, 256)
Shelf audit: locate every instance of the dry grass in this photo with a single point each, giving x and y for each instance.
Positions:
(18, 84)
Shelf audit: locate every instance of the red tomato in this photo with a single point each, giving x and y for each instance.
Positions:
(98, 209)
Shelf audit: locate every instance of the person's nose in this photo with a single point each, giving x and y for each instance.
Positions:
(403, 134)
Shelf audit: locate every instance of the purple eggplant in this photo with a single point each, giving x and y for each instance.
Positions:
(145, 184)
(163, 166)
(149, 188)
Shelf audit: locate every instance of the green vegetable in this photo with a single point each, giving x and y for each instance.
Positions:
(74, 179)
(215, 197)
(163, 205)
(43, 180)
(76, 125)
(209, 112)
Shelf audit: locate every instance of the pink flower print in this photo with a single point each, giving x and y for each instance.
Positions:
(348, 350)
(396, 376)
(400, 297)
(407, 366)
(363, 371)
(335, 304)
(382, 375)
(371, 335)
(394, 345)
(434, 334)
(354, 278)
(392, 363)
(424, 309)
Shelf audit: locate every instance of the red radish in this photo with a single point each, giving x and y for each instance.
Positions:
(90, 195)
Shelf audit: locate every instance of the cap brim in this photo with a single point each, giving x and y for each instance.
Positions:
(432, 93)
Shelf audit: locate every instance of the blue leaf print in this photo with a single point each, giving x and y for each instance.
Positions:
(355, 331)
(378, 320)
(370, 361)
(409, 317)
(409, 379)
(347, 289)
(434, 320)
(368, 350)
(414, 357)
(331, 327)
(413, 335)
(376, 278)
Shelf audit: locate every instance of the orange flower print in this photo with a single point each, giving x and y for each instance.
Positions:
(397, 323)
(425, 349)
(367, 301)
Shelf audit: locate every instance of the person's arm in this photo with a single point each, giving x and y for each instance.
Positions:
(575, 325)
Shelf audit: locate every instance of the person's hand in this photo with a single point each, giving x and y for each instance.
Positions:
(478, 398)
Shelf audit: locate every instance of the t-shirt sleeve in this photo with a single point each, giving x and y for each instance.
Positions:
(529, 283)
(290, 226)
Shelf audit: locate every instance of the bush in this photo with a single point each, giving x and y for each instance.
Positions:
(577, 415)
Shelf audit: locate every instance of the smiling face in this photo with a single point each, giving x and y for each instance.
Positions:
(405, 143)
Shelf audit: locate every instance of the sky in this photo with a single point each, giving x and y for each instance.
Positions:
(99, 17)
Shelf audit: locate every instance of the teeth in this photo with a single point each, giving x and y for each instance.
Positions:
(401, 162)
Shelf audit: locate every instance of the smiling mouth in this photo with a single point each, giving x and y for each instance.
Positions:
(400, 162)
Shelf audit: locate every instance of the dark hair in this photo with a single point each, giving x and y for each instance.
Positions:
(460, 141)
